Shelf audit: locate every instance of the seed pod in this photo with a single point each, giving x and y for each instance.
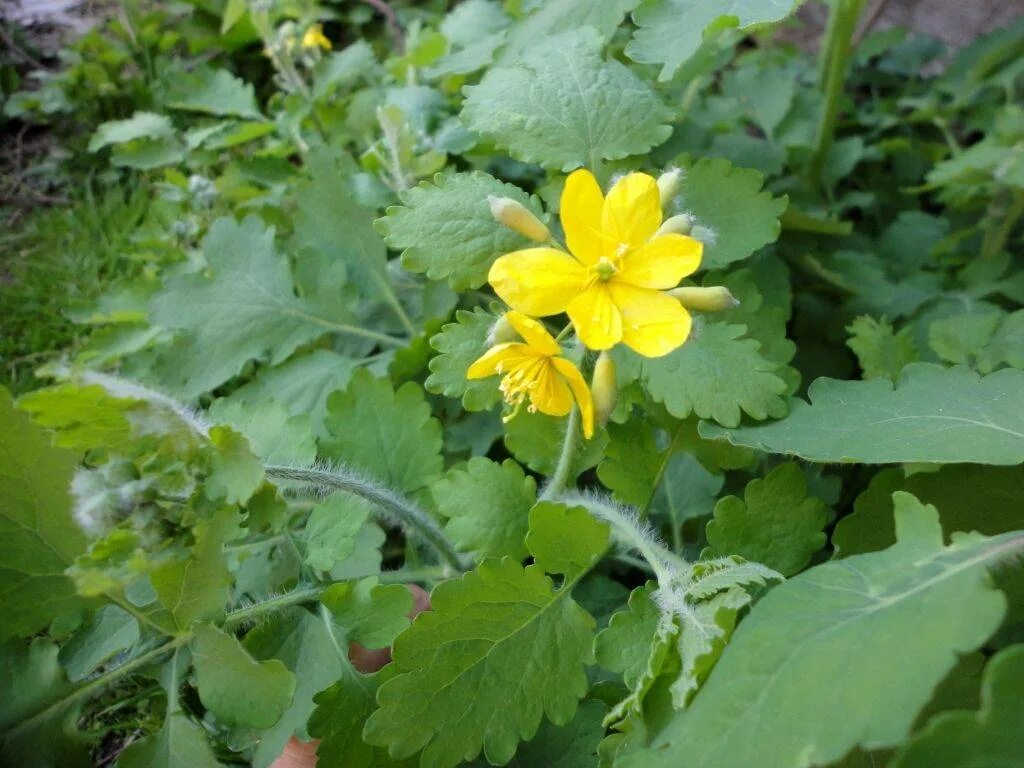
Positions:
(680, 224)
(603, 388)
(668, 185)
(518, 218)
(715, 298)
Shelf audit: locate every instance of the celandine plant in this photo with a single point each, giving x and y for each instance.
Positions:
(684, 376)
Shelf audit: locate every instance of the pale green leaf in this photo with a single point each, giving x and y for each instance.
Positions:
(141, 125)
(880, 350)
(716, 375)
(970, 497)
(729, 203)
(36, 727)
(331, 223)
(554, 16)
(112, 630)
(196, 587)
(333, 528)
(246, 310)
(536, 439)
(445, 228)
(932, 415)
(632, 463)
(564, 539)
(85, 417)
(459, 344)
(670, 31)
(38, 537)
(212, 92)
(305, 644)
(987, 738)
(274, 435)
(372, 614)
(399, 445)
(960, 338)
(301, 385)
(235, 687)
(235, 473)
(499, 649)
(487, 505)
(563, 105)
(776, 523)
(811, 645)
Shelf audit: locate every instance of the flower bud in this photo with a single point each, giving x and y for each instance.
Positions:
(501, 332)
(604, 388)
(668, 185)
(518, 218)
(680, 224)
(715, 298)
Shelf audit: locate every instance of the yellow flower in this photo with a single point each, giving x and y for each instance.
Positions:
(315, 37)
(536, 371)
(612, 281)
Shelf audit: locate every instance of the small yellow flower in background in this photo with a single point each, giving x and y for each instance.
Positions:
(315, 37)
(536, 371)
(612, 281)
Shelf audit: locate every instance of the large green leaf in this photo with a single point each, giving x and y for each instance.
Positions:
(37, 727)
(384, 432)
(730, 205)
(775, 523)
(932, 415)
(670, 31)
(38, 538)
(213, 92)
(500, 648)
(716, 375)
(445, 229)
(246, 310)
(487, 505)
(832, 639)
(234, 686)
(562, 105)
(993, 737)
(304, 642)
(459, 344)
(553, 16)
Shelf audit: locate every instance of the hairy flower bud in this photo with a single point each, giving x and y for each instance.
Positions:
(715, 298)
(668, 185)
(603, 388)
(518, 218)
(681, 224)
(502, 332)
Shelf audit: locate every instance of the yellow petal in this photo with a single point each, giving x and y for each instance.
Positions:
(580, 390)
(632, 210)
(533, 333)
(661, 262)
(597, 320)
(487, 364)
(550, 394)
(580, 212)
(537, 281)
(653, 323)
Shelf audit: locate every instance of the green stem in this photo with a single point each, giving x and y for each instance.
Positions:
(233, 619)
(996, 237)
(401, 509)
(835, 58)
(352, 330)
(95, 685)
(404, 575)
(560, 478)
(298, 596)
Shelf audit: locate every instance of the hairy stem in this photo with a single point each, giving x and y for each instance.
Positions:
(401, 509)
(560, 478)
(628, 529)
